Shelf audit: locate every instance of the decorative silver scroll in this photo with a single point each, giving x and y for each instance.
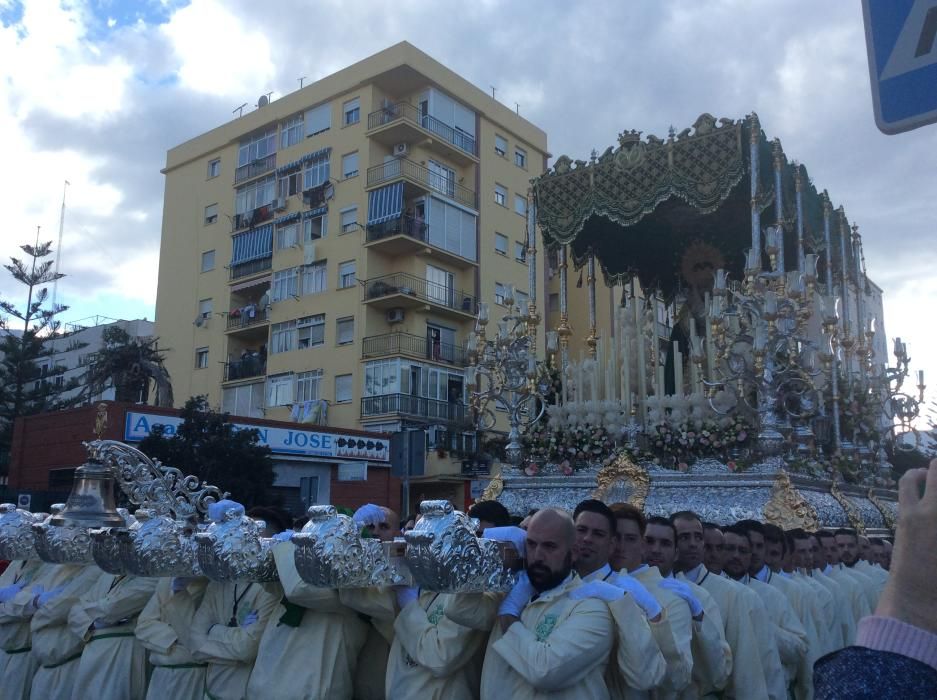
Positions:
(443, 553)
(104, 546)
(331, 554)
(62, 545)
(234, 550)
(16, 534)
(158, 546)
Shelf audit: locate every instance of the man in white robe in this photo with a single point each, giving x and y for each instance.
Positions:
(16, 610)
(848, 542)
(820, 573)
(163, 628)
(852, 591)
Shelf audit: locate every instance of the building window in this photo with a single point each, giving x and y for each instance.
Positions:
(349, 219)
(350, 165)
(280, 390)
(520, 251)
(204, 308)
(316, 172)
(255, 195)
(307, 385)
(211, 214)
(500, 291)
(501, 195)
(345, 330)
(201, 358)
(314, 278)
(208, 260)
(288, 185)
(520, 204)
(346, 275)
(501, 243)
(520, 158)
(282, 337)
(310, 331)
(451, 228)
(257, 147)
(318, 119)
(285, 284)
(244, 400)
(521, 299)
(351, 112)
(442, 178)
(214, 168)
(287, 236)
(291, 131)
(501, 145)
(382, 377)
(315, 227)
(343, 388)
(553, 302)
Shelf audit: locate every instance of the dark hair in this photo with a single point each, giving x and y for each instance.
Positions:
(300, 523)
(532, 512)
(684, 515)
(752, 526)
(847, 531)
(491, 511)
(776, 535)
(516, 520)
(877, 541)
(273, 517)
(626, 511)
(711, 526)
(823, 534)
(737, 529)
(663, 522)
(591, 505)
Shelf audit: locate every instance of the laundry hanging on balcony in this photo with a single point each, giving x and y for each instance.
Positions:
(385, 203)
(253, 245)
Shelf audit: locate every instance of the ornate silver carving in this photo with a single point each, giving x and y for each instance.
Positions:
(330, 554)
(60, 544)
(234, 550)
(16, 534)
(158, 546)
(443, 553)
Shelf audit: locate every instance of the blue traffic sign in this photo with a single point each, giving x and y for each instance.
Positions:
(901, 36)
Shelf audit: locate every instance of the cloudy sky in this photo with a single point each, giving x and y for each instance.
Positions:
(96, 91)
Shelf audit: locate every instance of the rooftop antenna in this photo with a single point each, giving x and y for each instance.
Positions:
(493, 88)
(301, 82)
(517, 108)
(58, 250)
(239, 110)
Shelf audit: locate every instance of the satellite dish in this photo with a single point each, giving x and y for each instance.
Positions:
(263, 101)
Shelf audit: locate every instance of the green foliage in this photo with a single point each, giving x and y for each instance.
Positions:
(130, 365)
(208, 446)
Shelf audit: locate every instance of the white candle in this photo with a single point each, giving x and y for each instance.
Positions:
(642, 366)
(563, 384)
(660, 388)
(580, 391)
(677, 369)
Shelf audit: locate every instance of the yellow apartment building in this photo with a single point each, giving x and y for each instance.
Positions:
(323, 256)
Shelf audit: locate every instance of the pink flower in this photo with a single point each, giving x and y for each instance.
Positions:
(742, 436)
(532, 469)
(682, 466)
(731, 465)
(567, 468)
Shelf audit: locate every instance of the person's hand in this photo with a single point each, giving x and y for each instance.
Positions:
(642, 597)
(682, 590)
(518, 597)
(249, 619)
(44, 598)
(597, 589)
(180, 583)
(509, 534)
(9, 592)
(283, 536)
(910, 594)
(369, 515)
(406, 595)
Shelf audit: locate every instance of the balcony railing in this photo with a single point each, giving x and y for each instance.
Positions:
(250, 268)
(418, 406)
(424, 290)
(405, 110)
(404, 167)
(245, 368)
(415, 346)
(255, 168)
(239, 318)
(406, 225)
(253, 217)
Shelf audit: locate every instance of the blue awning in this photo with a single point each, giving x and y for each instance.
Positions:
(253, 245)
(385, 204)
(319, 211)
(287, 218)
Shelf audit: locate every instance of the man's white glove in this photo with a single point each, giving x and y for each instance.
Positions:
(284, 536)
(250, 619)
(597, 589)
(518, 597)
(406, 595)
(369, 514)
(9, 592)
(680, 588)
(510, 534)
(642, 597)
(45, 597)
(180, 583)
(216, 511)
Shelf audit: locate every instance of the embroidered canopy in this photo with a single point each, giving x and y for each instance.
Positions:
(664, 209)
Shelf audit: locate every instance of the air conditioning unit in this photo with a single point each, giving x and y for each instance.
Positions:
(395, 315)
(401, 149)
(279, 203)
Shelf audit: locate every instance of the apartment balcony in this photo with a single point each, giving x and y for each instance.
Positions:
(401, 290)
(249, 367)
(259, 167)
(412, 406)
(403, 123)
(247, 322)
(253, 267)
(421, 347)
(422, 178)
(406, 235)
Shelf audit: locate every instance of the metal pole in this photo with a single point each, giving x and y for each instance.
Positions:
(779, 205)
(799, 188)
(592, 340)
(756, 213)
(834, 366)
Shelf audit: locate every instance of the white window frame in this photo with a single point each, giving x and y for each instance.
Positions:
(521, 299)
(343, 383)
(279, 390)
(214, 168)
(520, 157)
(285, 284)
(211, 214)
(205, 307)
(500, 291)
(501, 249)
(290, 185)
(501, 195)
(347, 274)
(316, 172)
(351, 112)
(344, 326)
(315, 278)
(201, 358)
(255, 195)
(308, 386)
(306, 327)
(323, 227)
(350, 165)
(318, 119)
(520, 204)
(208, 260)
(257, 146)
(255, 399)
(291, 131)
(520, 251)
(287, 235)
(282, 337)
(501, 146)
(346, 225)
(441, 178)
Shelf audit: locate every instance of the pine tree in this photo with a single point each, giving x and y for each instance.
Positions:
(27, 384)
(129, 365)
